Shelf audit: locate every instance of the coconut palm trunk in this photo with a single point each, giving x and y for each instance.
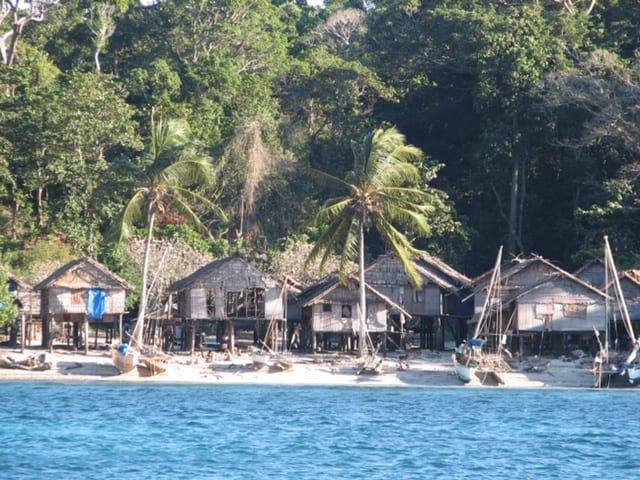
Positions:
(139, 328)
(385, 190)
(362, 317)
(167, 173)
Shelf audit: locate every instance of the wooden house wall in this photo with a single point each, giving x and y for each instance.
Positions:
(30, 301)
(334, 321)
(562, 305)
(183, 301)
(390, 279)
(593, 274)
(432, 300)
(530, 275)
(198, 303)
(423, 301)
(388, 272)
(195, 306)
(64, 300)
(395, 294)
(232, 276)
(331, 321)
(631, 292)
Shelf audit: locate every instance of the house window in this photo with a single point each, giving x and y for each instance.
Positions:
(401, 295)
(418, 295)
(249, 303)
(76, 297)
(326, 307)
(544, 310)
(575, 310)
(233, 304)
(211, 303)
(346, 311)
(255, 302)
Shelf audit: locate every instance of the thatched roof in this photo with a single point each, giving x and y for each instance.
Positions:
(83, 273)
(431, 269)
(509, 269)
(318, 291)
(211, 270)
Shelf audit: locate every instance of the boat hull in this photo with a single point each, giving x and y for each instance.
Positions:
(465, 373)
(634, 375)
(374, 365)
(124, 359)
(150, 367)
(271, 361)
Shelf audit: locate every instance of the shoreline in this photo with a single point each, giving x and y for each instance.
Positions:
(425, 369)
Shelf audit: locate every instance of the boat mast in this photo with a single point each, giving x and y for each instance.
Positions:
(622, 305)
(626, 319)
(490, 293)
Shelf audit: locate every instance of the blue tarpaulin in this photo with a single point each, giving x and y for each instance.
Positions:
(125, 349)
(96, 303)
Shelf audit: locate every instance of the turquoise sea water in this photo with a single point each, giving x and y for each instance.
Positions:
(85, 431)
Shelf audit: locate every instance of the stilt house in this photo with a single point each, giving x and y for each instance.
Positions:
(84, 293)
(593, 272)
(437, 311)
(28, 301)
(331, 314)
(234, 300)
(544, 308)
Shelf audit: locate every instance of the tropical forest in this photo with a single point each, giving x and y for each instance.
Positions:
(157, 136)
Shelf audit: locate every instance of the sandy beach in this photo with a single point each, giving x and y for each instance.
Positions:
(425, 369)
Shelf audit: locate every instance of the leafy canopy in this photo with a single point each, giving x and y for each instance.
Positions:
(382, 194)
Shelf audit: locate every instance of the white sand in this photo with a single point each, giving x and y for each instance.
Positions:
(426, 369)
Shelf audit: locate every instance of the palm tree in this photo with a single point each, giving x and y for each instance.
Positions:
(165, 176)
(382, 194)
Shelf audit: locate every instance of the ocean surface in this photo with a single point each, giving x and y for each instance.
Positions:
(91, 430)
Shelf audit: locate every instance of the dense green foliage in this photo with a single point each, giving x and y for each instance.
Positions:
(526, 114)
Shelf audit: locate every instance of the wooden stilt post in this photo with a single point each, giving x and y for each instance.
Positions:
(23, 336)
(50, 333)
(193, 337)
(86, 335)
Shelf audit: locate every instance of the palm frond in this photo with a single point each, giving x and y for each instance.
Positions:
(384, 192)
(167, 136)
(330, 240)
(187, 172)
(398, 243)
(134, 212)
(394, 172)
(350, 248)
(190, 197)
(333, 208)
(329, 179)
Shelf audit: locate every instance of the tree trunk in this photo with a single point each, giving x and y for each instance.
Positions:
(362, 317)
(14, 213)
(39, 192)
(137, 333)
(513, 207)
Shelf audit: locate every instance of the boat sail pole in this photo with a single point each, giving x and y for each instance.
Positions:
(495, 278)
(622, 305)
(467, 358)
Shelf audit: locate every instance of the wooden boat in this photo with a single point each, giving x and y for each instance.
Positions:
(271, 361)
(372, 364)
(467, 359)
(40, 363)
(151, 366)
(613, 369)
(124, 357)
(468, 356)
